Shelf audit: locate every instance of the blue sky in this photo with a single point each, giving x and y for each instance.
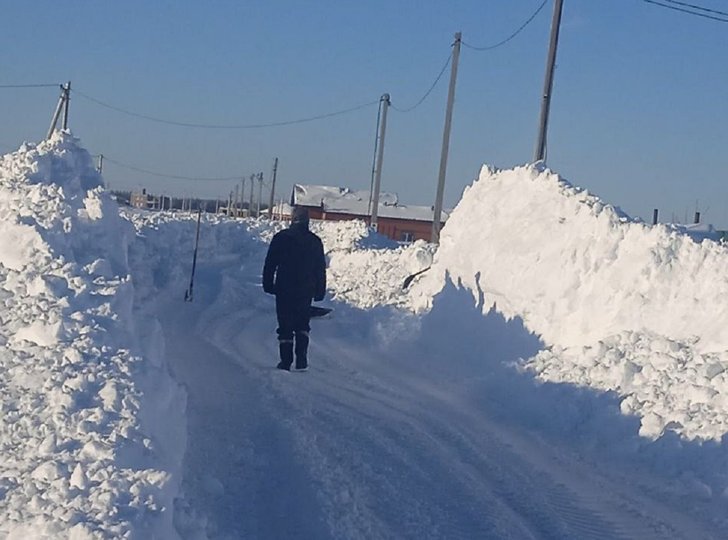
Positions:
(639, 114)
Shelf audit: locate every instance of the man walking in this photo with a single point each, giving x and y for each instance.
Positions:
(295, 272)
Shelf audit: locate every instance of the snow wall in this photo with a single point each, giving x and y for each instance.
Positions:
(91, 430)
(620, 305)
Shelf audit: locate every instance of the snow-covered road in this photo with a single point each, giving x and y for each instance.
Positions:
(557, 382)
(374, 442)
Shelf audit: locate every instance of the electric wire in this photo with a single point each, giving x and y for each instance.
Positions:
(513, 35)
(29, 85)
(222, 126)
(699, 8)
(423, 98)
(683, 10)
(171, 176)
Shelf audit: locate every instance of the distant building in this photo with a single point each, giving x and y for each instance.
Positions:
(282, 211)
(144, 200)
(403, 223)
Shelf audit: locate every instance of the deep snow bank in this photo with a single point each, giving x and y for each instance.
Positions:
(622, 306)
(84, 453)
(365, 269)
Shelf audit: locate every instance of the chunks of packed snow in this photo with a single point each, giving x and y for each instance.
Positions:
(621, 305)
(78, 459)
(366, 269)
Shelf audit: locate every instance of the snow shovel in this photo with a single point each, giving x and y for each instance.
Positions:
(318, 311)
(411, 277)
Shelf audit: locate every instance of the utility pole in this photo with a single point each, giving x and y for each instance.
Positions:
(100, 166)
(272, 190)
(437, 209)
(242, 196)
(384, 103)
(252, 187)
(260, 194)
(237, 200)
(540, 153)
(57, 113)
(68, 101)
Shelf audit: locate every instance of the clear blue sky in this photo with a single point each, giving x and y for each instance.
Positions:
(639, 115)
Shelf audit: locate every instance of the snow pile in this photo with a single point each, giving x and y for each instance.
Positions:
(366, 269)
(621, 305)
(89, 429)
(161, 255)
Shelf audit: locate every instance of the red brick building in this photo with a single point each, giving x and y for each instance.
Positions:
(403, 223)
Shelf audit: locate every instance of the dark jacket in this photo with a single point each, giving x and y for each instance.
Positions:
(295, 265)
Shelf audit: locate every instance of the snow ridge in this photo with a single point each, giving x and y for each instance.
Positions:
(621, 305)
(82, 455)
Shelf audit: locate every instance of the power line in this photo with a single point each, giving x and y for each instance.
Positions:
(29, 85)
(439, 76)
(514, 34)
(165, 175)
(683, 10)
(222, 126)
(699, 8)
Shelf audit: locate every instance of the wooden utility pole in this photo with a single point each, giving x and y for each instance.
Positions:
(100, 166)
(57, 113)
(260, 194)
(67, 103)
(437, 209)
(252, 188)
(272, 190)
(540, 153)
(384, 103)
(242, 196)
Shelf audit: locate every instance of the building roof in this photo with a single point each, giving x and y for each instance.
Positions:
(345, 201)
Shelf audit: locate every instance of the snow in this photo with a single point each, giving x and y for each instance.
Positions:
(80, 451)
(621, 306)
(558, 372)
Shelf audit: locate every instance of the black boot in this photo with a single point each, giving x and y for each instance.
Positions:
(301, 350)
(285, 348)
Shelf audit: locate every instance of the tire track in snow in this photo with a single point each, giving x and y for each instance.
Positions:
(544, 501)
(241, 478)
(488, 502)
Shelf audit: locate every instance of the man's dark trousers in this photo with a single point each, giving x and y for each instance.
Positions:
(294, 316)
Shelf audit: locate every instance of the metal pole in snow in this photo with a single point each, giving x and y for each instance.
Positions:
(384, 103)
(188, 292)
(437, 209)
(540, 153)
